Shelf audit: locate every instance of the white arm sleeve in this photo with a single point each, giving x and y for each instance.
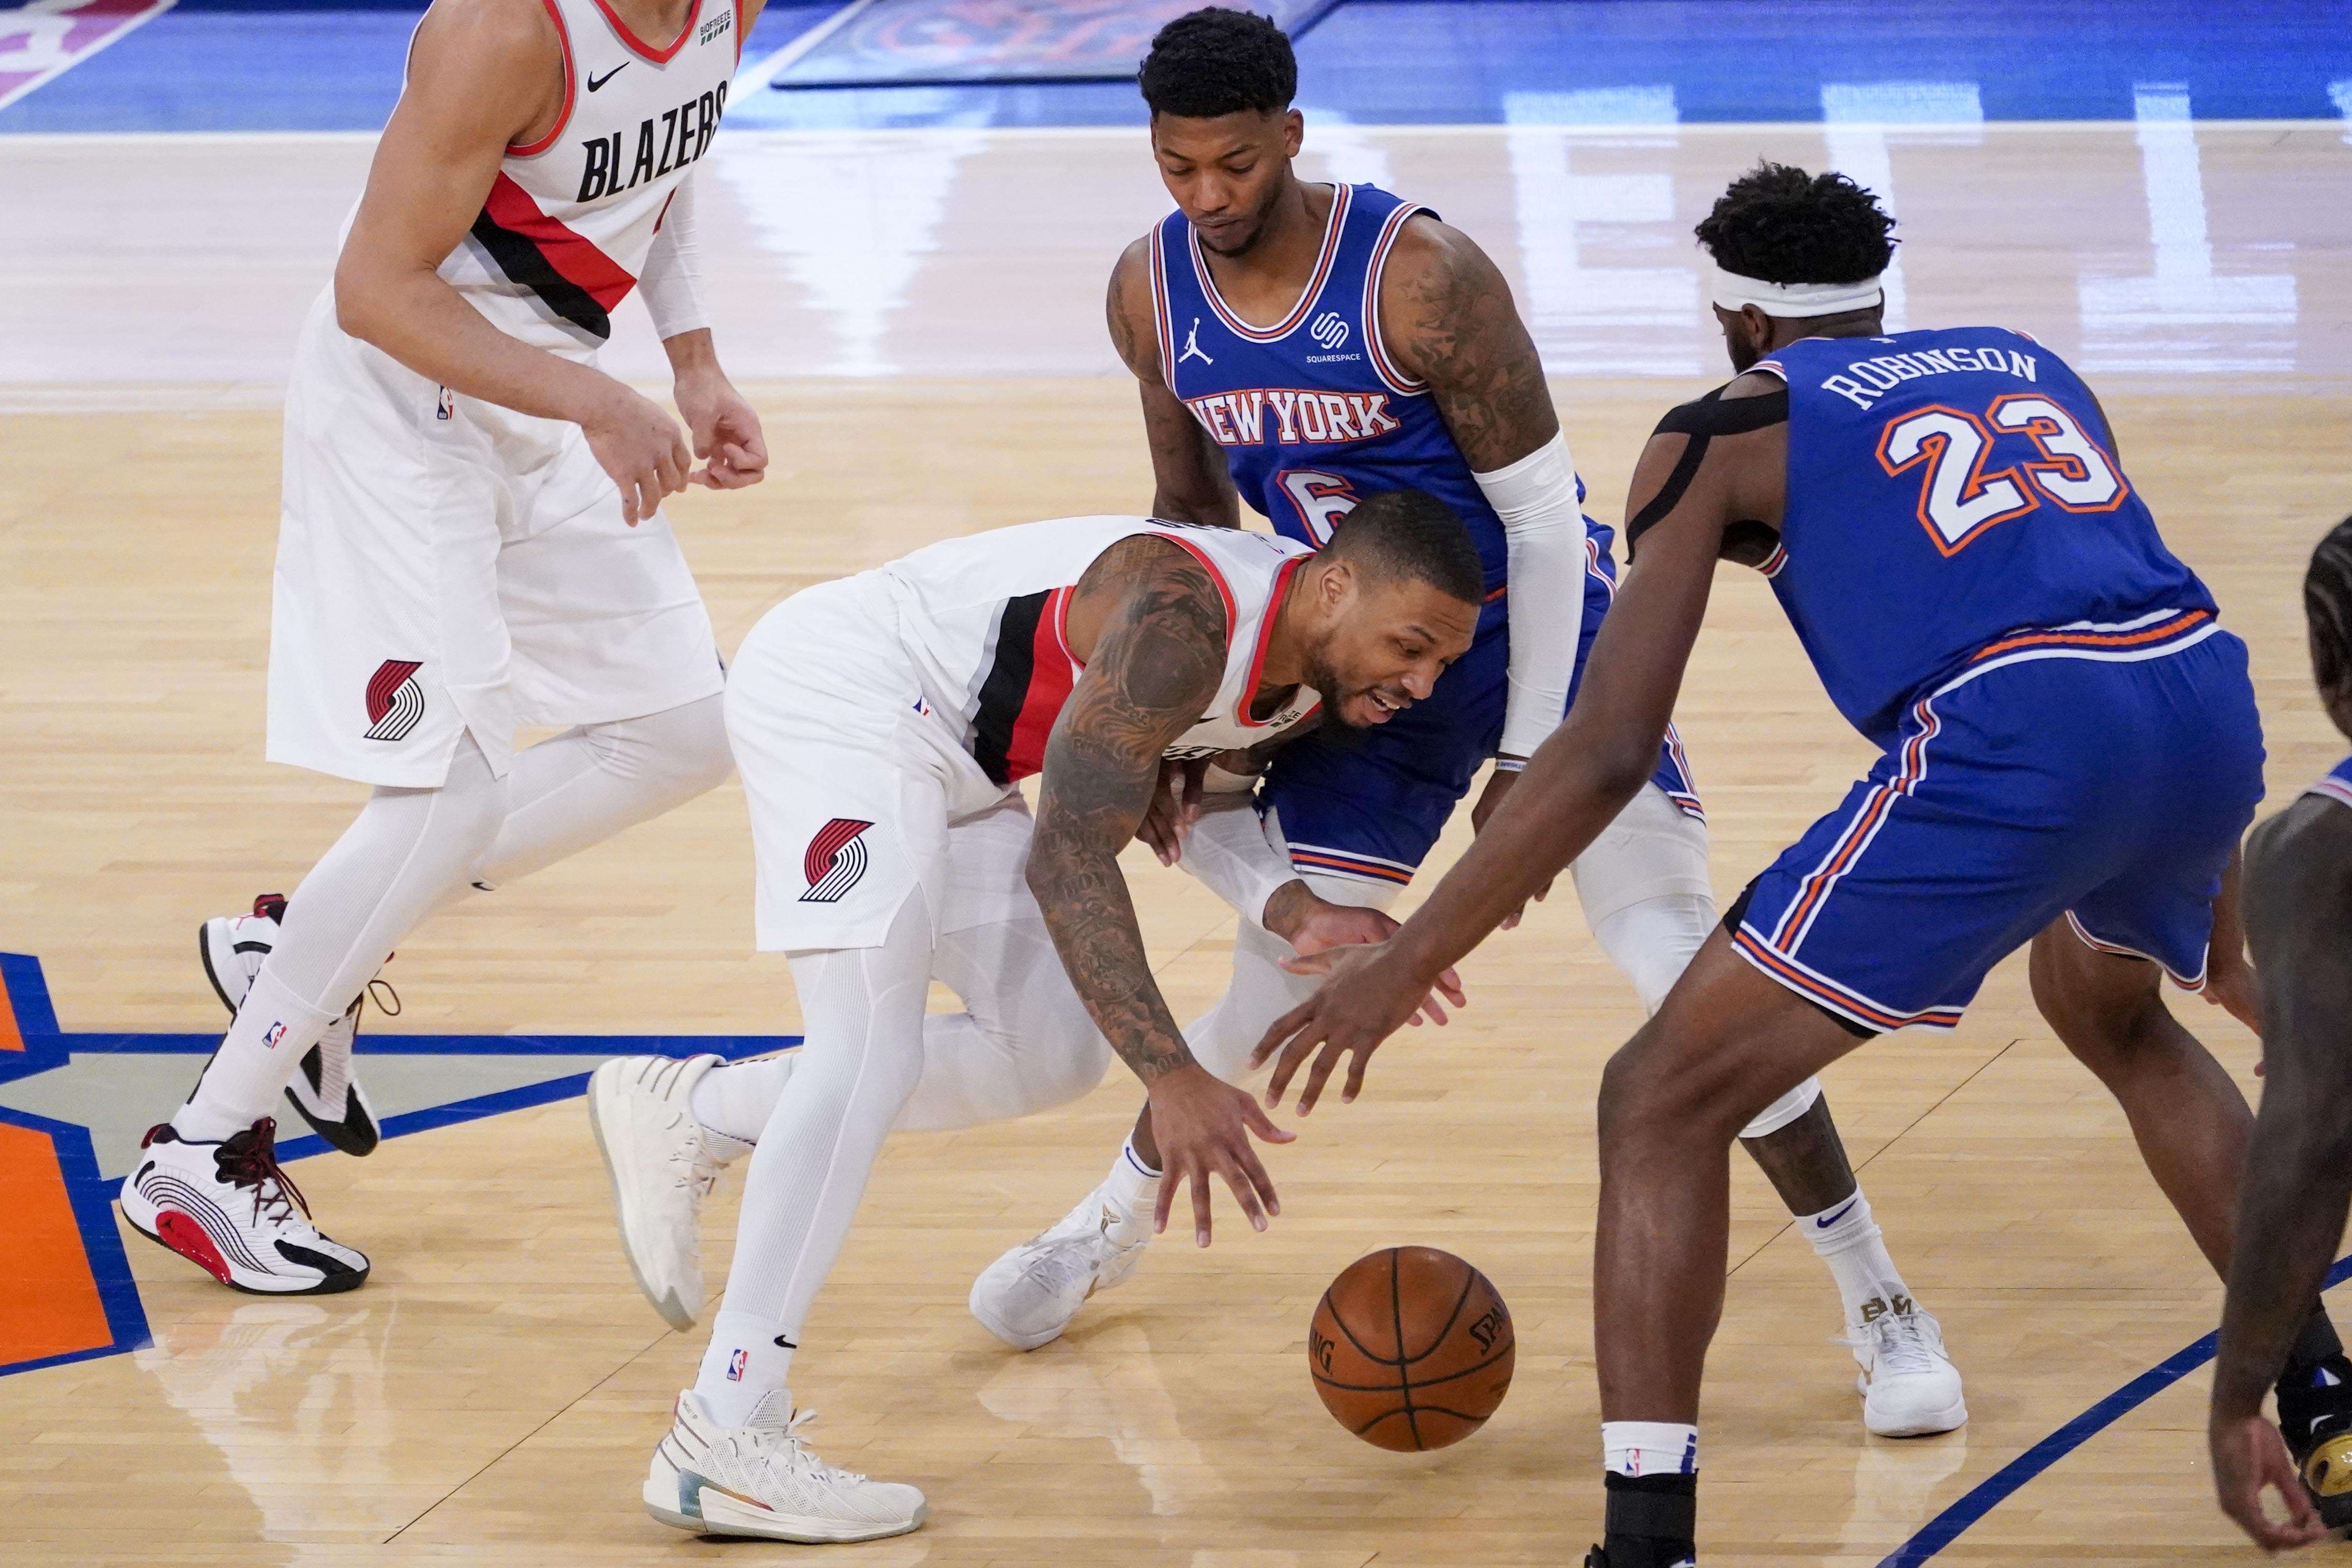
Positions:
(672, 283)
(1543, 532)
(1230, 854)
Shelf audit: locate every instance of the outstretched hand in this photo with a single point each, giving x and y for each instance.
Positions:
(1202, 1127)
(1369, 994)
(2250, 1457)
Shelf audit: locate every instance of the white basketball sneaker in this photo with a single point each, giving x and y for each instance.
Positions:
(227, 1208)
(1909, 1387)
(663, 1165)
(760, 1479)
(1027, 1296)
(325, 1090)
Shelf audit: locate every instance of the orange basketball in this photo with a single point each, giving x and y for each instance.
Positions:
(1410, 1348)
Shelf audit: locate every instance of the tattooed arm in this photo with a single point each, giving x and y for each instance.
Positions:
(1189, 483)
(1154, 665)
(1447, 319)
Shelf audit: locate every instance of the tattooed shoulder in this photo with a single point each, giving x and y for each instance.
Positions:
(1447, 318)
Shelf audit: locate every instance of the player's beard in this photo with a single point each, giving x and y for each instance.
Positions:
(1337, 725)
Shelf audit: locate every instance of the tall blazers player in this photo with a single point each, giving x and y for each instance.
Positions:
(472, 540)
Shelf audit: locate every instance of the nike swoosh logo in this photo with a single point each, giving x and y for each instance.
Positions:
(1825, 1224)
(596, 81)
(2316, 1422)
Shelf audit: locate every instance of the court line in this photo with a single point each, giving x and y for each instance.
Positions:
(2004, 1483)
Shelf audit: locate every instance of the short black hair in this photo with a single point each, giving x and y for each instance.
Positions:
(2328, 605)
(1216, 61)
(1778, 222)
(1412, 535)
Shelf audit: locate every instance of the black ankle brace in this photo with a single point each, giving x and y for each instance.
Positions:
(1652, 1520)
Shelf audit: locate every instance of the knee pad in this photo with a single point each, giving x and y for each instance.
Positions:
(1784, 1110)
(1653, 941)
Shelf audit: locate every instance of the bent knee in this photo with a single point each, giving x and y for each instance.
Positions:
(1645, 1096)
(683, 751)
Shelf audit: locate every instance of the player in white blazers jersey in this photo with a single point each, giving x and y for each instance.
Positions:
(883, 724)
(471, 540)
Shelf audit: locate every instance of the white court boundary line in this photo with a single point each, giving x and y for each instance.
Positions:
(1073, 133)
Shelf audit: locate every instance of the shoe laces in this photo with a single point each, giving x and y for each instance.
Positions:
(250, 1160)
(1077, 1254)
(784, 1445)
(1899, 1342)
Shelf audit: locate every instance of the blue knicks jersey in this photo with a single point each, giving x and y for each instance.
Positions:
(1311, 413)
(1952, 503)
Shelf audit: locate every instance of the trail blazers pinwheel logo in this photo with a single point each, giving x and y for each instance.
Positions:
(394, 702)
(836, 860)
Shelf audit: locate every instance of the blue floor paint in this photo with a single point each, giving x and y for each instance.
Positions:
(2002, 1484)
(288, 65)
(24, 997)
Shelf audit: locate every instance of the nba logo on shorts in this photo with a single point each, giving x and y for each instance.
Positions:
(277, 1033)
(735, 1365)
(449, 407)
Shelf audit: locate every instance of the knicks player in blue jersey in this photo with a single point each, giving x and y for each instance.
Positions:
(1299, 347)
(2070, 752)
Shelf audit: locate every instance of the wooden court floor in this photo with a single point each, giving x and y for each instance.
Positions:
(491, 1396)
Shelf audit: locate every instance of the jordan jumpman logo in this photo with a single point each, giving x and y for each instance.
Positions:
(1192, 345)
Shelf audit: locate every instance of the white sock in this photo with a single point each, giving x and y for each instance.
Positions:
(1649, 1449)
(733, 1101)
(1847, 1239)
(1133, 1189)
(256, 1060)
(748, 1357)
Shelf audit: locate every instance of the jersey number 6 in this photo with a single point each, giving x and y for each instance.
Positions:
(1959, 501)
(1322, 499)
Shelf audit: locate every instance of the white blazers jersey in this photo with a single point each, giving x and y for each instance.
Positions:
(984, 619)
(563, 235)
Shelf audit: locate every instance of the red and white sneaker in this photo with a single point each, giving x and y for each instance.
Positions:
(325, 1091)
(228, 1209)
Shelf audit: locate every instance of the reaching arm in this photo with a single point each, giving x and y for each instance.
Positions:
(1190, 482)
(1154, 666)
(2297, 1185)
(1579, 779)
(1446, 318)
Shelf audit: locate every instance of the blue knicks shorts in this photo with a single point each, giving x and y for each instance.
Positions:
(2110, 793)
(1369, 805)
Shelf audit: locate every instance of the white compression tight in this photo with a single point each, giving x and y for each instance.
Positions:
(862, 1009)
(1023, 1043)
(412, 851)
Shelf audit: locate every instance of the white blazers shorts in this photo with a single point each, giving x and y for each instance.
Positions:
(445, 564)
(860, 792)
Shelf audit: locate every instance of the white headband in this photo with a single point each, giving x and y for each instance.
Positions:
(1794, 300)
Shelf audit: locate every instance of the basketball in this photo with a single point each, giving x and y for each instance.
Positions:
(1410, 1348)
